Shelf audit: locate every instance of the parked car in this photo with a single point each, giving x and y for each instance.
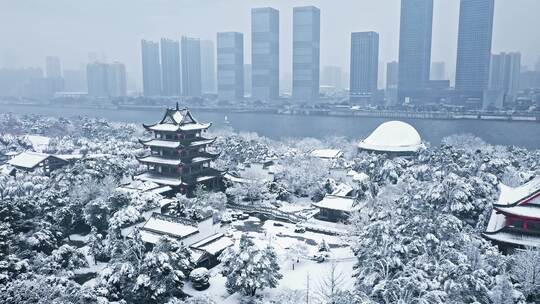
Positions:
(226, 218)
(243, 216)
(299, 229)
(321, 256)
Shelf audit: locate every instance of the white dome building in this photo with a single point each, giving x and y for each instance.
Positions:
(393, 137)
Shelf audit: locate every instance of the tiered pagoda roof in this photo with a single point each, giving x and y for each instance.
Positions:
(176, 120)
(178, 153)
(515, 218)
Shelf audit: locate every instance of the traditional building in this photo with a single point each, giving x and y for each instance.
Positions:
(515, 219)
(178, 153)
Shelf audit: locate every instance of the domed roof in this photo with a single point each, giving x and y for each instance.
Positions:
(393, 136)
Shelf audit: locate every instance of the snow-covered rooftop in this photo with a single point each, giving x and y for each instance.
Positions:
(160, 160)
(335, 202)
(326, 153)
(39, 143)
(512, 195)
(162, 143)
(342, 190)
(214, 244)
(393, 136)
(167, 127)
(497, 221)
(28, 160)
(514, 238)
(529, 211)
(169, 227)
(162, 180)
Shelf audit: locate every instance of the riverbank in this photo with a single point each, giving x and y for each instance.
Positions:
(341, 111)
(277, 126)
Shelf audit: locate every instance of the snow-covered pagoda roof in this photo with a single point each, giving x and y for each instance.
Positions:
(201, 157)
(175, 120)
(177, 144)
(335, 202)
(159, 179)
(512, 196)
(393, 136)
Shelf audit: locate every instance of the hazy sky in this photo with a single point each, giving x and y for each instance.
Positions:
(71, 29)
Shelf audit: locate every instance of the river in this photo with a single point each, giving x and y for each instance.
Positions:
(523, 134)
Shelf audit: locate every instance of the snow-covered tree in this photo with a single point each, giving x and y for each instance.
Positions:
(526, 271)
(249, 269)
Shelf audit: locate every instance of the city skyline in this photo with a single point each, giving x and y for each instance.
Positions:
(334, 45)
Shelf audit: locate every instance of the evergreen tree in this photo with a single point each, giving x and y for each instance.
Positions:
(249, 268)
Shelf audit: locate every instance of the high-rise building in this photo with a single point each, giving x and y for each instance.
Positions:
(105, 80)
(116, 79)
(75, 80)
(265, 53)
(191, 66)
(438, 70)
(230, 53)
(53, 71)
(392, 72)
(52, 67)
(306, 52)
(414, 48)
(208, 66)
(247, 79)
(364, 66)
(96, 78)
(151, 68)
(170, 67)
(505, 73)
(537, 65)
(474, 47)
(332, 76)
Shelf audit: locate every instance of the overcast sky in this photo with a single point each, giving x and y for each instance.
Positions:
(71, 29)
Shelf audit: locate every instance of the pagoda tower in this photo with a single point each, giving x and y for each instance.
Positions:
(178, 153)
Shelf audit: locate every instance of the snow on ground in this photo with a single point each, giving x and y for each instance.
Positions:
(282, 237)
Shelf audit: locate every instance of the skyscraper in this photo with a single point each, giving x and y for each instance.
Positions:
(438, 70)
(170, 67)
(265, 53)
(208, 66)
(306, 52)
(247, 79)
(75, 80)
(332, 76)
(392, 72)
(414, 48)
(105, 80)
(96, 77)
(230, 53)
(116, 79)
(537, 65)
(53, 71)
(474, 46)
(364, 66)
(191, 66)
(151, 68)
(505, 73)
(52, 67)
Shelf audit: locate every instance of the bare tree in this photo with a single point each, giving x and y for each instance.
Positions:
(330, 284)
